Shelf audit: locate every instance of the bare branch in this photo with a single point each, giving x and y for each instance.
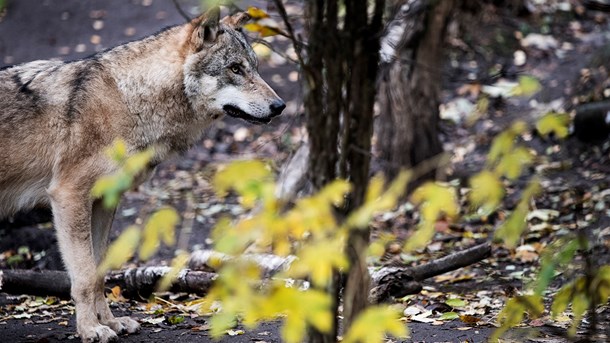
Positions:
(298, 48)
(181, 11)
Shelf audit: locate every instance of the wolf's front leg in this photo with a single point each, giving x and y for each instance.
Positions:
(71, 207)
(101, 222)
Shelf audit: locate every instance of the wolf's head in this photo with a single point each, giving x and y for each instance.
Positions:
(220, 73)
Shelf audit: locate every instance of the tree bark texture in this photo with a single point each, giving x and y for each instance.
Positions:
(340, 77)
(409, 90)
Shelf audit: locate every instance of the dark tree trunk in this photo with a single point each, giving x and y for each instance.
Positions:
(409, 92)
(363, 34)
(340, 72)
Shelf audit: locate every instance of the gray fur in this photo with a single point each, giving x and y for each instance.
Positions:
(57, 118)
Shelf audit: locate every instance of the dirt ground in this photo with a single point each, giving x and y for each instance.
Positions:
(72, 29)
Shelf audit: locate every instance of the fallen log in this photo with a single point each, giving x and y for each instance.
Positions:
(134, 282)
(397, 282)
(387, 282)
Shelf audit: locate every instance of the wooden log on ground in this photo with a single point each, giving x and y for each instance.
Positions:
(387, 282)
(134, 282)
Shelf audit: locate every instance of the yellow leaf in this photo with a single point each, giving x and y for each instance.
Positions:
(257, 13)
(562, 299)
(245, 177)
(513, 311)
(178, 263)
(253, 27)
(375, 203)
(301, 307)
(335, 192)
(374, 323)
(436, 199)
(375, 188)
(160, 226)
(487, 191)
(268, 31)
(121, 250)
(117, 151)
(421, 237)
(512, 163)
(138, 162)
(115, 295)
(510, 232)
(318, 260)
(262, 51)
(556, 123)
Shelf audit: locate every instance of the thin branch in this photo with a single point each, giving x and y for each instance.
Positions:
(268, 45)
(296, 42)
(181, 11)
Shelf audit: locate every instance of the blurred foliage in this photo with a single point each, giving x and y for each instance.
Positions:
(309, 230)
(507, 158)
(160, 227)
(111, 187)
(514, 312)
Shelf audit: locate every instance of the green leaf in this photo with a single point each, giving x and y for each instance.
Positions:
(449, 316)
(557, 254)
(562, 299)
(374, 323)
(174, 320)
(111, 187)
(528, 85)
(455, 303)
(580, 305)
(556, 123)
(602, 282)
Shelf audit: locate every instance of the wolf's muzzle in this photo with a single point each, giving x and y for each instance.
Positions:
(277, 107)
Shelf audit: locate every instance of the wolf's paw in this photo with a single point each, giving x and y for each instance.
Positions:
(123, 325)
(98, 334)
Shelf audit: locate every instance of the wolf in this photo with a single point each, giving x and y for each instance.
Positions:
(56, 118)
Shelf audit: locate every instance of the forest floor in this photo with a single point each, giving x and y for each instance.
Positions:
(570, 60)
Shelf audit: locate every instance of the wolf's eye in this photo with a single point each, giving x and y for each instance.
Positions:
(235, 68)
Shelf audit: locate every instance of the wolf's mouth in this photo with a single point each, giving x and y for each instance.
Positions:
(237, 113)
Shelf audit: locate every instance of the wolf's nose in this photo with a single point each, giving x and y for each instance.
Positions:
(277, 107)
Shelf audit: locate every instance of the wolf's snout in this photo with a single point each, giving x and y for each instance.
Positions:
(277, 107)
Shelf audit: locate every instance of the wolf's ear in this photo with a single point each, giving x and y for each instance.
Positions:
(209, 25)
(237, 20)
